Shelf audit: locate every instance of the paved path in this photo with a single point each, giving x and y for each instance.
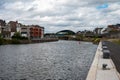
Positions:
(115, 54)
(97, 73)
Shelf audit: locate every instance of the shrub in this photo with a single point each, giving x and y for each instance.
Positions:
(24, 38)
(96, 40)
(117, 41)
(16, 36)
(1, 41)
(15, 41)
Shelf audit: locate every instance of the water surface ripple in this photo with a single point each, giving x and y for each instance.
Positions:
(62, 60)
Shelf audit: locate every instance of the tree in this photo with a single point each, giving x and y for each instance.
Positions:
(17, 35)
(1, 39)
(79, 37)
(0, 35)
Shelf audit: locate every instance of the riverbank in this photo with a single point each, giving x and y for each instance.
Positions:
(97, 72)
(26, 41)
(97, 40)
(17, 41)
(116, 41)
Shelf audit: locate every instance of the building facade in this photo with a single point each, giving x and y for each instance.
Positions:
(2, 24)
(4, 29)
(13, 27)
(36, 32)
(112, 31)
(7, 30)
(98, 31)
(25, 32)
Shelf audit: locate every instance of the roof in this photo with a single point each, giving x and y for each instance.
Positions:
(66, 32)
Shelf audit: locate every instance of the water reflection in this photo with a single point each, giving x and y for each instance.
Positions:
(62, 60)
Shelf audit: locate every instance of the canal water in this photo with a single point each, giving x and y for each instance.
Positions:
(62, 60)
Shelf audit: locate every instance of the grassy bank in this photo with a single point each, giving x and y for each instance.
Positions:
(117, 41)
(7, 41)
(97, 40)
(24, 41)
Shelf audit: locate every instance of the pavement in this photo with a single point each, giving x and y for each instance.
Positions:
(115, 53)
(97, 72)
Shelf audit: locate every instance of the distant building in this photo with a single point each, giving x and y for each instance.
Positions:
(114, 27)
(112, 31)
(2, 24)
(4, 29)
(50, 35)
(25, 31)
(36, 32)
(18, 27)
(86, 33)
(6, 32)
(81, 32)
(0, 29)
(98, 31)
(13, 27)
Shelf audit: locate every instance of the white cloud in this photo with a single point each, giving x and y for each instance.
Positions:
(57, 15)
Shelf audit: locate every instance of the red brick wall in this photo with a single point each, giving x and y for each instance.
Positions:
(35, 32)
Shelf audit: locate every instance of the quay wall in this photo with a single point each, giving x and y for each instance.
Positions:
(97, 72)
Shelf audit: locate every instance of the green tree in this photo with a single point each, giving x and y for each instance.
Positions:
(0, 35)
(79, 37)
(1, 40)
(16, 35)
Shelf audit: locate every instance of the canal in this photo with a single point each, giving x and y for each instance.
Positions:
(62, 60)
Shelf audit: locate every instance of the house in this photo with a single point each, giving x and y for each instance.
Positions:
(88, 34)
(0, 29)
(6, 32)
(17, 27)
(4, 29)
(112, 31)
(13, 27)
(2, 24)
(36, 32)
(25, 32)
(98, 31)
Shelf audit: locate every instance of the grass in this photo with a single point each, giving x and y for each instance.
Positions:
(117, 41)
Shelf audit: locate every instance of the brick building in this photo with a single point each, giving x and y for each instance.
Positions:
(31, 31)
(13, 27)
(36, 32)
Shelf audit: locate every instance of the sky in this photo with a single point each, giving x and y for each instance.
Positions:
(56, 15)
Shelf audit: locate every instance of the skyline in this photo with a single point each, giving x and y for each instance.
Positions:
(56, 15)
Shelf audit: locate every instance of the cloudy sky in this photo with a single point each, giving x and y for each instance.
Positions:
(56, 15)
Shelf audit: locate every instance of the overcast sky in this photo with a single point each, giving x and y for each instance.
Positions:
(56, 15)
